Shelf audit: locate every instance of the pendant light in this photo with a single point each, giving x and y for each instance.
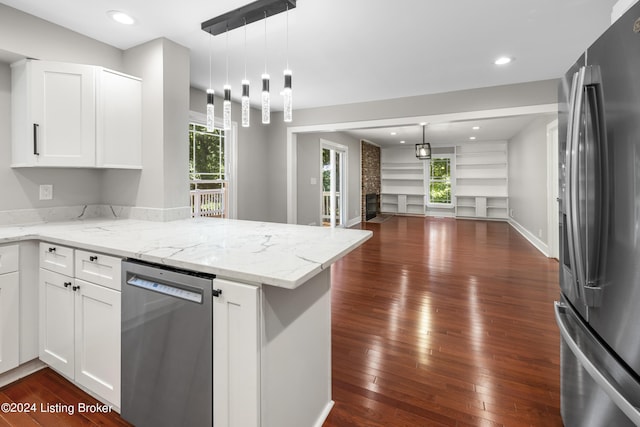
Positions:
(226, 105)
(266, 101)
(423, 151)
(246, 104)
(210, 96)
(251, 12)
(287, 93)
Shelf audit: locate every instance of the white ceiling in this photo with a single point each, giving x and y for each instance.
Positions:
(345, 51)
(449, 133)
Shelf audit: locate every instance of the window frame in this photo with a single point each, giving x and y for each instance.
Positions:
(452, 167)
(213, 176)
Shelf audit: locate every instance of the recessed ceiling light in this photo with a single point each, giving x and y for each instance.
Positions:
(121, 17)
(472, 138)
(423, 123)
(393, 133)
(402, 142)
(476, 128)
(503, 60)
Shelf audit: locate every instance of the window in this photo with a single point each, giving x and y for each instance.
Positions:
(440, 180)
(206, 156)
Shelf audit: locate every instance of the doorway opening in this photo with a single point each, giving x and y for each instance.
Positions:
(334, 184)
(212, 168)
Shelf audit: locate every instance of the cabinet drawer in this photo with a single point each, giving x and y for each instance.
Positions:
(8, 259)
(98, 268)
(56, 258)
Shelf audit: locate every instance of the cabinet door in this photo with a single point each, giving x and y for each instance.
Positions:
(9, 325)
(481, 207)
(236, 355)
(119, 124)
(56, 321)
(402, 203)
(62, 107)
(97, 340)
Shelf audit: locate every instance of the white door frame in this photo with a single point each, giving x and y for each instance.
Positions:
(230, 159)
(552, 191)
(344, 185)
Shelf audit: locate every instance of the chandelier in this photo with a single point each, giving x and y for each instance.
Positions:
(252, 12)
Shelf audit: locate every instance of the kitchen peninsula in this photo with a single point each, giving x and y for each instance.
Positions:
(271, 368)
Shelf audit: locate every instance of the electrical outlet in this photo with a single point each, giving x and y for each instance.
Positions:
(46, 192)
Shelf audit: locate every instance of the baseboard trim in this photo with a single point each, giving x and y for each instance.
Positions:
(324, 414)
(536, 242)
(354, 221)
(21, 371)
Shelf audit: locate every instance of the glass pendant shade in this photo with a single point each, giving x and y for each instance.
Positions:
(423, 151)
(266, 100)
(226, 108)
(288, 97)
(246, 106)
(210, 110)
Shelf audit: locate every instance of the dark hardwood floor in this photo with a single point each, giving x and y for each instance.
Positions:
(441, 322)
(436, 322)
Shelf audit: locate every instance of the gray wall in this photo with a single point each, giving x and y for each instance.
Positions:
(164, 181)
(309, 160)
(35, 38)
(528, 196)
(508, 96)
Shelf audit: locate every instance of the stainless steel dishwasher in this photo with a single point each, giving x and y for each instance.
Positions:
(167, 346)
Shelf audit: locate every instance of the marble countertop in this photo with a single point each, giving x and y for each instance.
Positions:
(275, 254)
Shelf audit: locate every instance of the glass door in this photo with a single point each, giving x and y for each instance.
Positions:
(333, 185)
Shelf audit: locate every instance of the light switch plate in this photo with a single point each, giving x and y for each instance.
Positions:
(46, 192)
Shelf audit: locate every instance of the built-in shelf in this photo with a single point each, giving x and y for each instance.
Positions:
(482, 180)
(403, 182)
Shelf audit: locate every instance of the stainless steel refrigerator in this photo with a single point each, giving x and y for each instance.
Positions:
(599, 311)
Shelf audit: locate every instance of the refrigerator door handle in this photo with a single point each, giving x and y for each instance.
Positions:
(599, 375)
(597, 182)
(573, 134)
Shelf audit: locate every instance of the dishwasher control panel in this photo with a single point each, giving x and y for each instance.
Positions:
(165, 289)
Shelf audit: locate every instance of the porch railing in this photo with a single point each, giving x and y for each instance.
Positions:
(208, 203)
(326, 206)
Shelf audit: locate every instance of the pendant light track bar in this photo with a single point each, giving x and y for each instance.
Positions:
(251, 12)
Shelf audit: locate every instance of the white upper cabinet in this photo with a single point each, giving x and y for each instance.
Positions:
(74, 115)
(119, 124)
(53, 114)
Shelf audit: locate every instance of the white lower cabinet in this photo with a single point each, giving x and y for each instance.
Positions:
(9, 326)
(97, 339)
(57, 321)
(80, 331)
(236, 355)
(9, 308)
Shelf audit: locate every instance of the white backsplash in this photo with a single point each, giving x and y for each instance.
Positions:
(67, 213)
